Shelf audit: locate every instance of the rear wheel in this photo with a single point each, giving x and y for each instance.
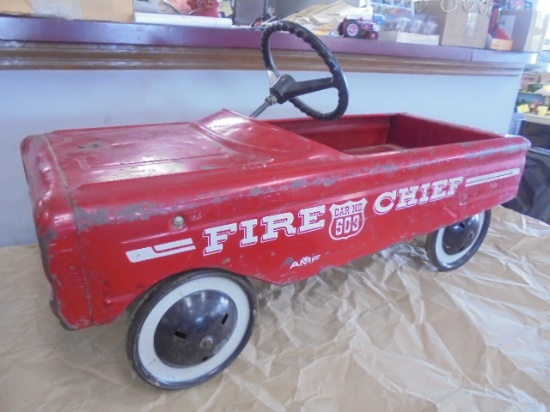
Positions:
(452, 246)
(189, 328)
(352, 29)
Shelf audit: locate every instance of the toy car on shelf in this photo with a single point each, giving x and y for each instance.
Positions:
(171, 220)
(358, 28)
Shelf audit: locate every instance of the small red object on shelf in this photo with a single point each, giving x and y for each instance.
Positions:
(206, 8)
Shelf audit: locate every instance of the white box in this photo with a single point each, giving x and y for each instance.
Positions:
(414, 38)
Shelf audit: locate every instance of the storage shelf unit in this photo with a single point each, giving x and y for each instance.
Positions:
(37, 43)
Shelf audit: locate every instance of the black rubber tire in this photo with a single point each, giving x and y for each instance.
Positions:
(445, 262)
(533, 197)
(340, 28)
(141, 346)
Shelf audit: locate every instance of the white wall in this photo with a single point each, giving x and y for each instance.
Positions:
(34, 102)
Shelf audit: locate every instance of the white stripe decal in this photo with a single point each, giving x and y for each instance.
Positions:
(491, 177)
(158, 251)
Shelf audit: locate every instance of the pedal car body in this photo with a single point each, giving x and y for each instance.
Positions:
(119, 209)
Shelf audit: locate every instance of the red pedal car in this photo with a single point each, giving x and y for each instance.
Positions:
(173, 219)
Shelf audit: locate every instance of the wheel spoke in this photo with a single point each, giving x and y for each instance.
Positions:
(309, 86)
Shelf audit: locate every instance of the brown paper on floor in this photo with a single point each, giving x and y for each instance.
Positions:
(386, 332)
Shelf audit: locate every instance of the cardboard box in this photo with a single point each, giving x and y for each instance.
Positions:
(498, 44)
(110, 10)
(414, 38)
(527, 29)
(534, 87)
(499, 37)
(459, 26)
(529, 78)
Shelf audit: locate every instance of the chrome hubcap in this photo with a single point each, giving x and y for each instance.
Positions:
(461, 235)
(195, 328)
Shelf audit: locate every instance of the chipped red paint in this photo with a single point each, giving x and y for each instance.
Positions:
(119, 209)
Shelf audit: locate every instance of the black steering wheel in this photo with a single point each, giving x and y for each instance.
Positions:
(284, 88)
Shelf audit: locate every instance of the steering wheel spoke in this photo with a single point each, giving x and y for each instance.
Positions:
(284, 88)
(310, 86)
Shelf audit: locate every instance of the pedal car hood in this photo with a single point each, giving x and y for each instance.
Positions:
(223, 140)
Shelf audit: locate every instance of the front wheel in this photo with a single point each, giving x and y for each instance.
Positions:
(189, 328)
(452, 246)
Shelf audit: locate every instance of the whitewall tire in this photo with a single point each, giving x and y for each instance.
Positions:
(190, 327)
(452, 246)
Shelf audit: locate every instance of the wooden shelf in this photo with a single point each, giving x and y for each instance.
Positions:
(56, 44)
(533, 118)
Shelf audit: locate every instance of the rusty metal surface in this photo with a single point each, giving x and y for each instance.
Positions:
(119, 209)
